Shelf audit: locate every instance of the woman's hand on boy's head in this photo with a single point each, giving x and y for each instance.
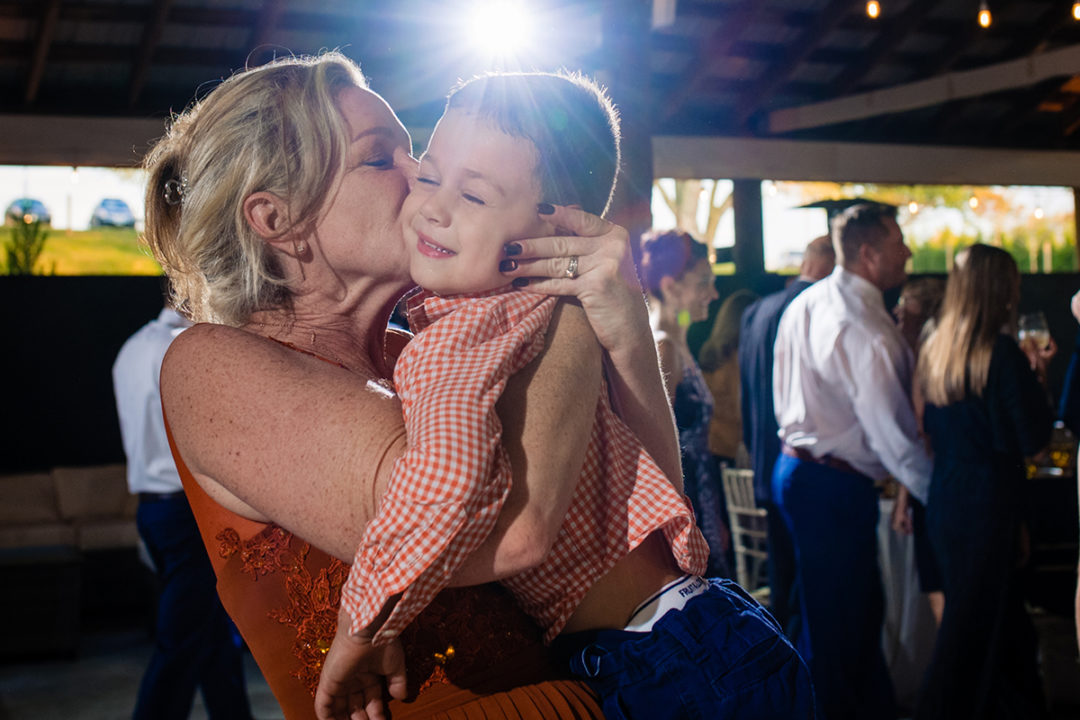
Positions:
(605, 281)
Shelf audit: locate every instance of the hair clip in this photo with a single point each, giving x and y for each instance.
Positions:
(175, 189)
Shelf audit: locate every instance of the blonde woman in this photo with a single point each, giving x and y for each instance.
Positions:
(985, 412)
(719, 362)
(274, 204)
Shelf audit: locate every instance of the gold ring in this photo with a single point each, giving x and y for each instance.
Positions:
(571, 267)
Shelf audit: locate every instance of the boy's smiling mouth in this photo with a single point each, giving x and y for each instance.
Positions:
(430, 248)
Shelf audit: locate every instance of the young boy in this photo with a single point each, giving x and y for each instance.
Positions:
(504, 144)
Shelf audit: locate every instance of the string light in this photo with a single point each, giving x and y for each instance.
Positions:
(985, 18)
(873, 9)
(973, 202)
(913, 207)
(1038, 213)
(1076, 11)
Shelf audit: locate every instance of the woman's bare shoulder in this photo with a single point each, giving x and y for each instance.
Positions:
(281, 431)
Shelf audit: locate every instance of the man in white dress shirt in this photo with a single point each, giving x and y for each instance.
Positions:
(195, 643)
(841, 382)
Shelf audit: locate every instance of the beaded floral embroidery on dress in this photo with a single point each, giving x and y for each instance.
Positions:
(464, 632)
(313, 600)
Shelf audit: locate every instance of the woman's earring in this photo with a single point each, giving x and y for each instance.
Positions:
(300, 247)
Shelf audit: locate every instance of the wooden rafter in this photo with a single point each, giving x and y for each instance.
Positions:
(150, 39)
(1033, 40)
(999, 77)
(717, 45)
(50, 16)
(893, 32)
(809, 39)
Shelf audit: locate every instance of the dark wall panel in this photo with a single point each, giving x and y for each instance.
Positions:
(63, 335)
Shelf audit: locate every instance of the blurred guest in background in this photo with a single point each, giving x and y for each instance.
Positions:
(985, 411)
(719, 362)
(842, 390)
(916, 314)
(676, 272)
(759, 429)
(195, 643)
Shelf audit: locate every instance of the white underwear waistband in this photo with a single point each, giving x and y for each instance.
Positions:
(672, 596)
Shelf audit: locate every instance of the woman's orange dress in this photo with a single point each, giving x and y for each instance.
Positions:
(472, 654)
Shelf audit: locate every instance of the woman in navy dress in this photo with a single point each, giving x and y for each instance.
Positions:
(986, 411)
(676, 271)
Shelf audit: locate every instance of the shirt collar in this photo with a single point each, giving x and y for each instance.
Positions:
(172, 319)
(426, 307)
(861, 288)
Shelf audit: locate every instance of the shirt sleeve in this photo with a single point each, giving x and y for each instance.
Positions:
(448, 488)
(879, 376)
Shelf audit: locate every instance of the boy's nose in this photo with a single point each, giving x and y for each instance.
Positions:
(435, 211)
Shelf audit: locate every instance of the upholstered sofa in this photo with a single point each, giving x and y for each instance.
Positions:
(87, 508)
(68, 550)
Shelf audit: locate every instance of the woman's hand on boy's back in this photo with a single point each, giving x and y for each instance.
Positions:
(607, 286)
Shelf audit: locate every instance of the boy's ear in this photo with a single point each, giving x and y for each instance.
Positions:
(267, 215)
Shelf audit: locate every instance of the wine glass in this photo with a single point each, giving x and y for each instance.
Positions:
(1033, 326)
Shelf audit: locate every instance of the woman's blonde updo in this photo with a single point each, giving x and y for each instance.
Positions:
(274, 128)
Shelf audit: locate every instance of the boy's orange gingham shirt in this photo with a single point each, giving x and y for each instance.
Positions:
(447, 489)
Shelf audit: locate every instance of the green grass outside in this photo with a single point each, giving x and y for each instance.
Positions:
(104, 251)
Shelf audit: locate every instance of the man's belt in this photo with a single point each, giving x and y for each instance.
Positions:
(827, 460)
(158, 497)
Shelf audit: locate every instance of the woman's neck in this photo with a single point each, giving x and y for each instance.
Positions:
(353, 335)
(664, 317)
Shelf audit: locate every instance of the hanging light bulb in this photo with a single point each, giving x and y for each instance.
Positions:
(873, 9)
(913, 207)
(1076, 11)
(973, 202)
(984, 15)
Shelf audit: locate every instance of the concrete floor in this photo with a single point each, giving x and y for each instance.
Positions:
(102, 682)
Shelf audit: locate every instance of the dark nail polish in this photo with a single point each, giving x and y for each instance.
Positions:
(545, 209)
(507, 266)
(511, 249)
(520, 282)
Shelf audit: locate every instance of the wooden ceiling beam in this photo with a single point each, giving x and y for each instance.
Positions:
(891, 34)
(999, 77)
(715, 46)
(150, 39)
(809, 39)
(1052, 20)
(50, 15)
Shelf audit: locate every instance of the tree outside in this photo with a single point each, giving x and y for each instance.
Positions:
(1034, 224)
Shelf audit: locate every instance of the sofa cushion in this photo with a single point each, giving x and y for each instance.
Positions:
(98, 491)
(106, 534)
(28, 499)
(37, 535)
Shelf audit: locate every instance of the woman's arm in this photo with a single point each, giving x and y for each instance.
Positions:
(608, 289)
(277, 435)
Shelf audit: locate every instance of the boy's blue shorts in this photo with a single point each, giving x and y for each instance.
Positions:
(721, 656)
